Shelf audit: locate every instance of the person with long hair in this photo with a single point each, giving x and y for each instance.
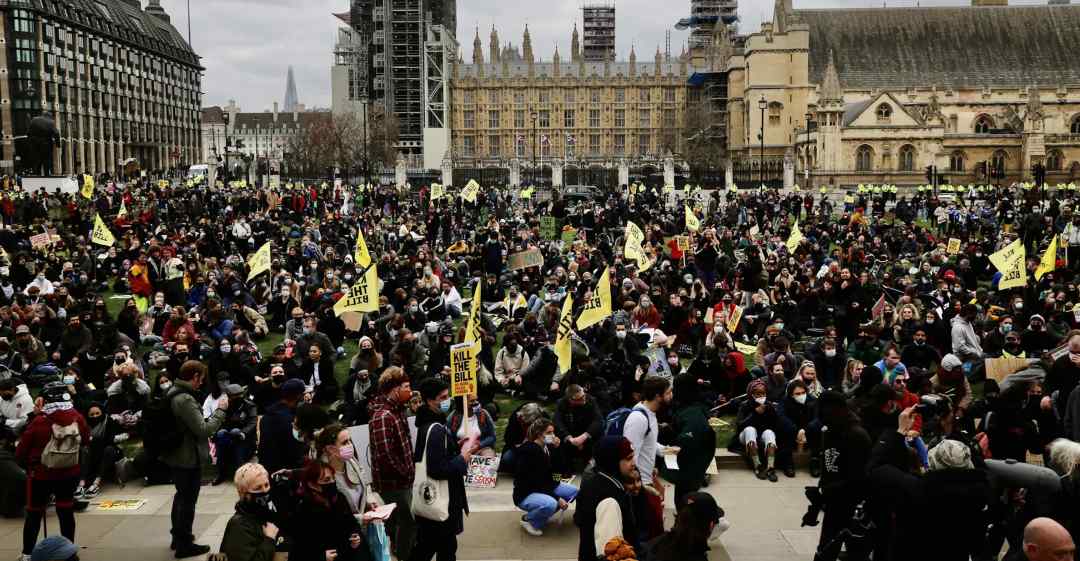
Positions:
(535, 489)
(695, 526)
(323, 527)
(334, 447)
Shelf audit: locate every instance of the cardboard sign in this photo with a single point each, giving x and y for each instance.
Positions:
(568, 235)
(525, 259)
(483, 472)
(39, 241)
(120, 504)
(463, 369)
(734, 318)
(549, 228)
(998, 368)
(658, 365)
(361, 440)
(954, 246)
(683, 243)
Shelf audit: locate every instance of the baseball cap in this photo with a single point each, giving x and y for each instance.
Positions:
(22, 329)
(54, 548)
(704, 505)
(292, 388)
(233, 389)
(951, 362)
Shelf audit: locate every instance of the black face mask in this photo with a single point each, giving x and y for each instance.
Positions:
(181, 356)
(262, 501)
(120, 360)
(329, 490)
(95, 421)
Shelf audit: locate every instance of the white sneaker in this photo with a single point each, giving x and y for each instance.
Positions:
(23, 558)
(530, 529)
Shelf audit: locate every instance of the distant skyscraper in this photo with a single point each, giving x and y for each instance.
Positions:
(292, 102)
(599, 30)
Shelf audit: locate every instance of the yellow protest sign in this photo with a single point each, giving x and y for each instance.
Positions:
(692, 222)
(632, 248)
(87, 187)
(1049, 260)
(562, 339)
(472, 329)
(101, 234)
(527, 193)
(748, 350)
(437, 191)
(361, 255)
(598, 308)
(463, 369)
(164, 183)
(123, 209)
(362, 296)
(795, 238)
(259, 262)
(733, 319)
(682, 242)
(470, 191)
(954, 246)
(1010, 261)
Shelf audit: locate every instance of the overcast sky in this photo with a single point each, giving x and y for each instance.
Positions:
(248, 45)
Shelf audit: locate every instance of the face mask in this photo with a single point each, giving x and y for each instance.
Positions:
(296, 435)
(620, 335)
(165, 386)
(929, 321)
(414, 308)
(1019, 305)
(226, 349)
(328, 489)
(393, 333)
(759, 400)
(346, 452)
(444, 406)
(800, 399)
(94, 421)
(830, 353)
(549, 439)
(780, 326)
(69, 380)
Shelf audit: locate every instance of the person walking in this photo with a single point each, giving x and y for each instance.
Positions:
(642, 432)
(392, 467)
(187, 459)
(49, 451)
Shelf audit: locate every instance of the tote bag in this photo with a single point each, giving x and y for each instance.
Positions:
(430, 497)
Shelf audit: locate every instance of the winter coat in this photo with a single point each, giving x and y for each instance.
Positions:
(37, 436)
(16, 413)
(965, 343)
(244, 539)
(194, 450)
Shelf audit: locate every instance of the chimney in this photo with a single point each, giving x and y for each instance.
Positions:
(275, 111)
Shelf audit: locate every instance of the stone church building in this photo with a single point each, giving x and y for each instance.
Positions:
(980, 92)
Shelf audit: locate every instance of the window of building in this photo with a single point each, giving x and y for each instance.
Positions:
(468, 145)
(493, 119)
(644, 144)
(493, 146)
(545, 96)
(956, 161)
(983, 125)
(470, 119)
(1054, 160)
(907, 158)
(519, 146)
(775, 109)
(469, 97)
(644, 95)
(884, 113)
(568, 96)
(568, 118)
(620, 118)
(519, 97)
(669, 95)
(620, 95)
(594, 96)
(594, 144)
(620, 144)
(545, 118)
(1075, 128)
(669, 118)
(23, 22)
(644, 118)
(519, 118)
(594, 118)
(1000, 161)
(864, 158)
(545, 146)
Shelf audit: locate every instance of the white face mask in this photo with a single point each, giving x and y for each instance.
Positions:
(831, 353)
(549, 439)
(800, 399)
(759, 400)
(620, 335)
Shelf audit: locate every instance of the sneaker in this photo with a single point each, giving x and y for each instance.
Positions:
(789, 471)
(771, 474)
(92, 491)
(530, 529)
(23, 557)
(815, 468)
(80, 492)
(191, 550)
(760, 473)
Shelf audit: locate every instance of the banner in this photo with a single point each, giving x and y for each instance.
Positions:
(549, 228)
(692, 222)
(525, 259)
(362, 296)
(795, 239)
(632, 249)
(483, 472)
(472, 330)
(361, 255)
(463, 369)
(879, 308)
(1010, 261)
(562, 340)
(954, 246)
(87, 187)
(734, 318)
(748, 350)
(259, 262)
(1049, 260)
(470, 191)
(101, 234)
(598, 308)
(437, 191)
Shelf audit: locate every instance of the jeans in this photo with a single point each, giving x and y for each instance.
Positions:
(401, 526)
(540, 507)
(187, 481)
(232, 451)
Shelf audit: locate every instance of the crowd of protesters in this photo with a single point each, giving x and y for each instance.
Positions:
(849, 338)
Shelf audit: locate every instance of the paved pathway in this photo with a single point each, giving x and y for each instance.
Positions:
(765, 520)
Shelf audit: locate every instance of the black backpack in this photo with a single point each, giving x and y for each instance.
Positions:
(163, 432)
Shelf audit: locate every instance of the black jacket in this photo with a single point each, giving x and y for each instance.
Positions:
(277, 447)
(533, 473)
(595, 489)
(845, 450)
(444, 461)
(572, 421)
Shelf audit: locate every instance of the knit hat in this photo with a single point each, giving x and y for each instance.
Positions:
(292, 388)
(950, 454)
(756, 384)
(951, 362)
(610, 450)
(54, 548)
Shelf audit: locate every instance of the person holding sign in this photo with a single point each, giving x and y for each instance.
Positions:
(536, 491)
(446, 459)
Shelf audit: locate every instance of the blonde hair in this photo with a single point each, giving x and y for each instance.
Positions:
(246, 475)
(1064, 456)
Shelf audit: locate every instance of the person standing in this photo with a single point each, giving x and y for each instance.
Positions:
(187, 459)
(642, 431)
(392, 467)
(604, 510)
(279, 447)
(439, 449)
(846, 451)
(49, 451)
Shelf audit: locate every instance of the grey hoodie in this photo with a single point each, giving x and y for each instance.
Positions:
(965, 343)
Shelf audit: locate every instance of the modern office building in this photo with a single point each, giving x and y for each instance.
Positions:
(120, 82)
(598, 19)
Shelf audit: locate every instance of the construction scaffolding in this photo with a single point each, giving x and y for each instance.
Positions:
(705, 15)
(598, 26)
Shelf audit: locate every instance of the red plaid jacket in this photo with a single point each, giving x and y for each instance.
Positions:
(392, 467)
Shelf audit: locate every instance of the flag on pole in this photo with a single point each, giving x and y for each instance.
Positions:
(361, 255)
(87, 187)
(692, 222)
(632, 248)
(1010, 261)
(598, 308)
(472, 330)
(101, 234)
(795, 238)
(879, 308)
(123, 208)
(362, 296)
(259, 262)
(1049, 260)
(562, 340)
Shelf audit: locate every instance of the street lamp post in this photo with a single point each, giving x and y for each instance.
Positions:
(761, 165)
(225, 116)
(806, 171)
(536, 172)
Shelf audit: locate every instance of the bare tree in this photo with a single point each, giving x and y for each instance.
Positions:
(704, 147)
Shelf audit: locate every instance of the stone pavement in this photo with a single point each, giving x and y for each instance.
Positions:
(764, 517)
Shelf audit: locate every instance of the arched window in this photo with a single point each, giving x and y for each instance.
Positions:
(864, 158)
(1054, 160)
(775, 109)
(1000, 161)
(907, 158)
(1075, 125)
(884, 113)
(956, 161)
(984, 124)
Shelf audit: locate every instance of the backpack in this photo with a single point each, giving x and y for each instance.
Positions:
(615, 422)
(163, 433)
(62, 450)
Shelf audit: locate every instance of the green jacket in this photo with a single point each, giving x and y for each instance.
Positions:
(244, 539)
(195, 450)
(697, 444)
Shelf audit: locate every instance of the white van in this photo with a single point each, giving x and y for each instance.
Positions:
(197, 170)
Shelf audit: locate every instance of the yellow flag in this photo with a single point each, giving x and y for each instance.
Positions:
(692, 222)
(472, 330)
(562, 340)
(88, 187)
(527, 193)
(795, 239)
(437, 191)
(361, 256)
(259, 262)
(472, 188)
(101, 234)
(632, 248)
(598, 308)
(1049, 260)
(123, 209)
(1010, 261)
(362, 296)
